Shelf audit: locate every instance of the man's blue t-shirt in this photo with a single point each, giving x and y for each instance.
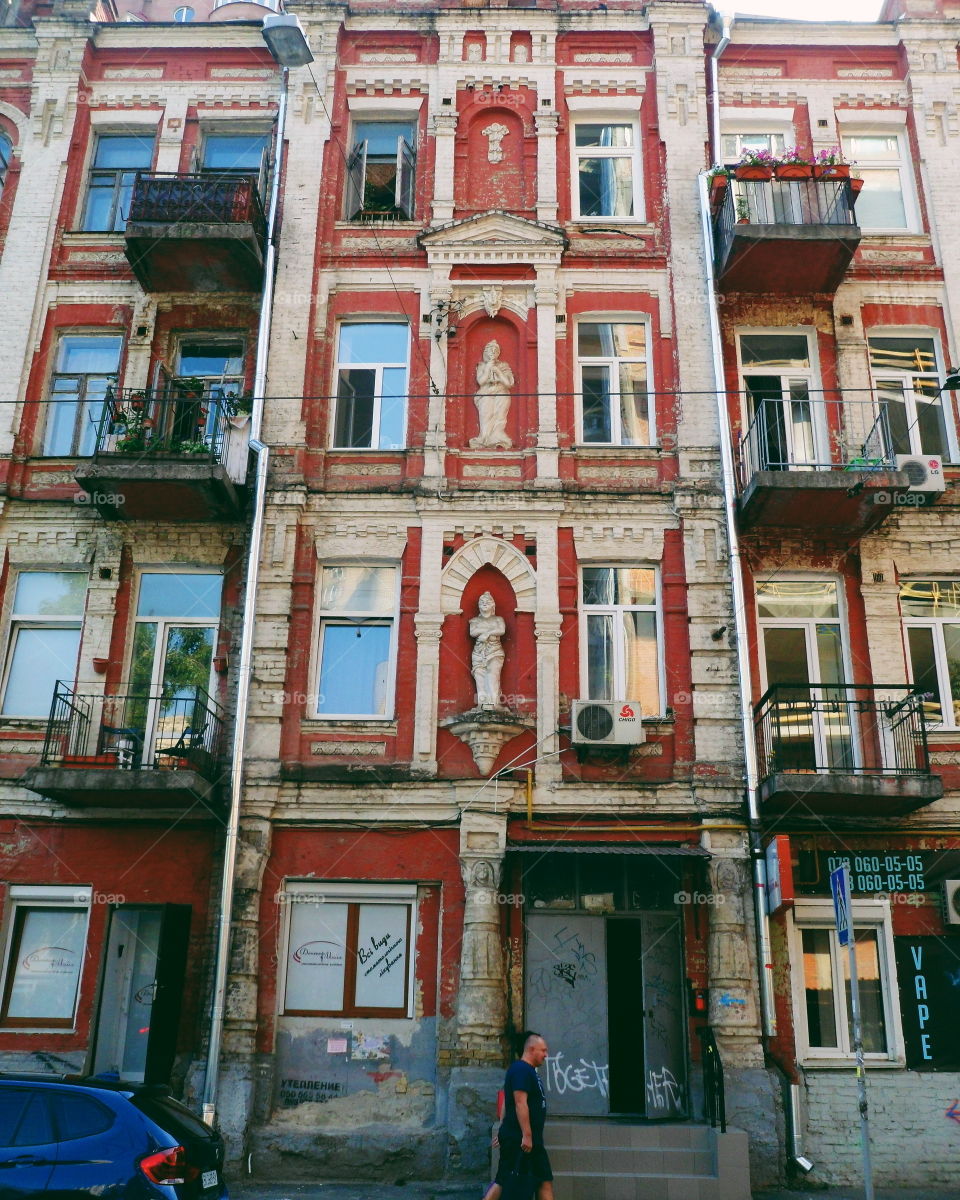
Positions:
(521, 1077)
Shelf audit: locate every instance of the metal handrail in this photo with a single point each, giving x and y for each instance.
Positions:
(714, 1091)
(174, 197)
(171, 421)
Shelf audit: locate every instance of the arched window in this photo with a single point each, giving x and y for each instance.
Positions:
(183, 15)
(6, 150)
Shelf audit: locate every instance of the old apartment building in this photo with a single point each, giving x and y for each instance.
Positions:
(467, 568)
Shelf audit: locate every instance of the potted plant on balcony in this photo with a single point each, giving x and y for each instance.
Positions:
(132, 426)
(793, 165)
(830, 164)
(718, 179)
(755, 164)
(743, 210)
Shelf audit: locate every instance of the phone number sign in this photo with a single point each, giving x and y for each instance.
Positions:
(872, 872)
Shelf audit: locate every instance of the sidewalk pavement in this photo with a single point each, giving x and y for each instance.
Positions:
(251, 1189)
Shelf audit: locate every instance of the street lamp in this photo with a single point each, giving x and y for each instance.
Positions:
(286, 40)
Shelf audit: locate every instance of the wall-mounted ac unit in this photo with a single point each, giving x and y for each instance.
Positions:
(925, 472)
(606, 723)
(951, 901)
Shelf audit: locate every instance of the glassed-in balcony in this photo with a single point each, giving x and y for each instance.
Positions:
(175, 454)
(784, 236)
(131, 748)
(832, 749)
(813, 461)
(196, 233)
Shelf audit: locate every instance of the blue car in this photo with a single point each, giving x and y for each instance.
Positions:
(116, 1141)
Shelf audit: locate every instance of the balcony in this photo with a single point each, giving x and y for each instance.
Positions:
(131, 749)
(855, 750)
(808, 462)
(196, 233)
(788, 237)
(177, 454)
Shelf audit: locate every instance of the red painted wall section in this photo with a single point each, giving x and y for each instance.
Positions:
(430, 857)
(153, 864)
(482, 180)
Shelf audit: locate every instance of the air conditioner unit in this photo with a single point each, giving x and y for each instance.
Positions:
(606, 723)
(925, 472)
(951, 902)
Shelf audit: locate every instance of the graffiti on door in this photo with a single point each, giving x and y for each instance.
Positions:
(569, 1076)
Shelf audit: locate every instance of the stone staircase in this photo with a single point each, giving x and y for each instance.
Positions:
(613, 1160)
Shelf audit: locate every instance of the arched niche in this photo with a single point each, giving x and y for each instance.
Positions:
(473, 334)
(495, 161)
(488, 552)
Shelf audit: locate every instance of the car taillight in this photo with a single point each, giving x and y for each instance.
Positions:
(167, 1166)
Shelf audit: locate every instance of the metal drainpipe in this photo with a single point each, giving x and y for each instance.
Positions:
(767, 1009)
(262, 452)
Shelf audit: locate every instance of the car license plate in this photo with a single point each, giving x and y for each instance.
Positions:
(208, 1179)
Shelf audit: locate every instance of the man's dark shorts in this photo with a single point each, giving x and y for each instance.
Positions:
(537, 1163)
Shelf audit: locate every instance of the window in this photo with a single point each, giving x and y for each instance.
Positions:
(214, 368)
(381, 170)
(235, 154)
(371, 386)
(886, 202)
(348, 949)
(822, 981)
(44, 639)
(620, 612)
(734, 144)
(907, 380)
(80, 1116)
(44, 956)
(931, 618)
(785, 428)
(117, 157)
(357, 619)
(84, 368)
(183, 15)
(617, 405)
(607, 169)
(6, 151)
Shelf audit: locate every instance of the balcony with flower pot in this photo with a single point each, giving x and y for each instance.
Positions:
(174, 454)
(196, 233)
(785, 226)
(132, 748)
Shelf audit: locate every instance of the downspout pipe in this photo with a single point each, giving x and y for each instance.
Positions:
(231, 841)
(751, 765)
(726, 26)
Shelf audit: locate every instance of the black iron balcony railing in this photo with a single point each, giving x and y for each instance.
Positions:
(714, 1093)
(804, 431)
(178, 421)
(798, 202)
(849, 729)
(168, 199)
(134, 730)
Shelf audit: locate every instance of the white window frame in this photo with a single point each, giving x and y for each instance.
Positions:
(586, 116)
(865, 914)
(905, 378)
(902, 165)
(364, 110)
(339, 617)
(379, 368)
(346, 892)
(732, 156)
(34, 896)
(811, 374)
(615, 419)
(17, 621)
(619, 666)
(948, 719)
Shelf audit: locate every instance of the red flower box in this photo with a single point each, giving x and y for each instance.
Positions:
(832, 171)
(759, 173)
(794, 171)
(95, 762)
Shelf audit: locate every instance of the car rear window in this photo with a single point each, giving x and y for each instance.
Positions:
(172, 1116)
(80, 1116)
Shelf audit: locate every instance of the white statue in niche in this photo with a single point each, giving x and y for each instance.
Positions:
(495, 133)
(494, 381)
(486, 662)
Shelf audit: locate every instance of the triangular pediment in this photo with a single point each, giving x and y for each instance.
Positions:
(474, 238)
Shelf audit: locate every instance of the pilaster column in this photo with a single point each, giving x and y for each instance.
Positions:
(546, 296)
(444, 131)
(435, 442)
(428, 625)
(733, 1007)
(547, 627)
(546, 126)
(482, 1000)
(170, 141)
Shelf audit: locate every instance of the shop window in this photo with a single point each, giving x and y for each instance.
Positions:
(371, 386)
(822, 983)
(44, 639)
(616, 400)
(44, 956)
(886, 203)
(607, 169)
(381, 170)
(622, 636)
(348, 949)
(906, 376)
(117, 157)
(357, 643)
(931, 618)
(85, 366)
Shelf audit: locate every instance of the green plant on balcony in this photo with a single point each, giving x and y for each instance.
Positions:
(131, 425)
(195, 447)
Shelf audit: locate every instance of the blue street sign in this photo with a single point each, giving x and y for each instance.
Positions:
(840, 888)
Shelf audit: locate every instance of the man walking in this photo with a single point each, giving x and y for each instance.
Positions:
(524, 1115)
